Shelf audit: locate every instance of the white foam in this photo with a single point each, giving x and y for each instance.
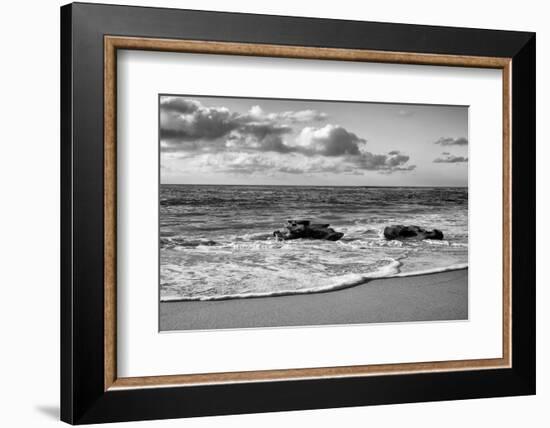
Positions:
(442, 242)
(457, 266)
(390, 270)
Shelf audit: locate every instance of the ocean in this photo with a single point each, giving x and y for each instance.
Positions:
(216, 242)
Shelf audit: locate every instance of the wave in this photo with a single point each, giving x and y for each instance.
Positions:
(258, 236)
(458, 266)
(173, 242)
(390, 270)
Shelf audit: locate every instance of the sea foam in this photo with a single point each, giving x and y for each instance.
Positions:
(390, 270)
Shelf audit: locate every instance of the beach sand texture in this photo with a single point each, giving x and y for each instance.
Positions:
(431, 297)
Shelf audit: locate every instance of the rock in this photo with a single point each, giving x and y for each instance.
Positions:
(400, 231)
(296, 229)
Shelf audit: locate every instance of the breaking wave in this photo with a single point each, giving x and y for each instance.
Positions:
(347, 281)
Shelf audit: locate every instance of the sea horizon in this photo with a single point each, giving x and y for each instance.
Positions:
(315, 185)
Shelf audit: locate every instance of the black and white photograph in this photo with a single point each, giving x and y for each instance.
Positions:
(278, 212)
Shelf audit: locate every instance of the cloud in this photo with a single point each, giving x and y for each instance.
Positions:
(258, 137)
(393, 161)
(245, 163)
(217, 139)
(179, 105)
(449, 141)
(240, 163)
(330, 140)
(309, 115)
(188, 125)
(451, 159)
(183, 120)
(336, 141)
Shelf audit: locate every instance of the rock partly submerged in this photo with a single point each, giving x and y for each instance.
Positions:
(399, 232)
(296, 229)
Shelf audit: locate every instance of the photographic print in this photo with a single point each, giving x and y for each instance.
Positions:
(281, 212)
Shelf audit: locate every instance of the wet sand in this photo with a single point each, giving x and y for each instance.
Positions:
(431, 297)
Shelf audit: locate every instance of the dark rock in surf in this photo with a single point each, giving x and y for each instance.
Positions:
(296, 229)
(400, 232)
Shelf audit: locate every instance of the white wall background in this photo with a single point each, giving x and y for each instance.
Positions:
(29, 215)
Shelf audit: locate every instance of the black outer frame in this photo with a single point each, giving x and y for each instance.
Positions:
(83, 399)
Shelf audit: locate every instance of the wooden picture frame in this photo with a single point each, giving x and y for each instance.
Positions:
(91, 390)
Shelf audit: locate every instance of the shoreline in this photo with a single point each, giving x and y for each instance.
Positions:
(434, 296)
(306, 291)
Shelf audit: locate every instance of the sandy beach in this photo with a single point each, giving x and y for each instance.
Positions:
(432, 297)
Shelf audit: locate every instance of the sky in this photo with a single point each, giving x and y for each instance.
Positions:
(221, 140)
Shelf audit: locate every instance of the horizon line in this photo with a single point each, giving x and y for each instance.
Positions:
(301, 185)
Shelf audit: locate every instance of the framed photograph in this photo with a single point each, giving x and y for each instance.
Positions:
(266, 213)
